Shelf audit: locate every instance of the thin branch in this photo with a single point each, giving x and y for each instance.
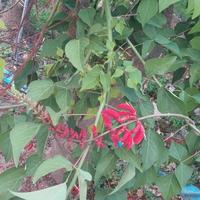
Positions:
(141, 59)
(193, 155)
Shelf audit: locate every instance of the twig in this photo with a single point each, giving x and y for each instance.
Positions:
(193, 155)
(141, 59)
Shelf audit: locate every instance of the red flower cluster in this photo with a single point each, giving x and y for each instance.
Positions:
(123, 136)
(63, 131)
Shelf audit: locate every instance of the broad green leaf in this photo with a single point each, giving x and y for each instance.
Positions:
(147, 47)
(91, 79)
(195, 42)
(194, 74)
(75, 52)
(195, 28)
(40, 89)
(152, 150)
(10, 180)
(105, 81)
(128, 174)
(2, 25)
(135, 78)
(130, 157)
(51, 165)
(145, 178)
(178, 151)
(55, 116)
(160, 65)
(163, 4)
(87, 15)
(193, 142)
(168, 186)
(63, 99)
(41, 138)
(183, 174)
(167, 102)
(2, 64)
(172, 46)
(118, 73)
(51, 193)
(32, 164)
(83, 177)
(196, 11)
(104, 165)
(20, 136)
(189, 102)
(198, 159)
(146, 10)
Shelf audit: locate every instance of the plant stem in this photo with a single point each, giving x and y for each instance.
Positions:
(109, 27)
(141, 59)
(73, 182)
(193, 155)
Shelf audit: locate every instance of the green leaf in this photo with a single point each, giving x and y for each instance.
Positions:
(51, 193)
(63, 99)
(135, 78)
(2, 64)
(105, 164)
(193, 142)
(194, 74)
(167, 102)
(147, 47)
(128, 174)
(75, 51)
(163, 4)
(21, 135)
(32, 164)
(168, 186)
(146, 10)
(51, 165)
(83, 176)
(178, 151)
(196, 9)
(195, 42)
(160, 65)
(183, 174)
(40, 89)
(10, 180)
(130, 157)
(172, 46)
(118, 73)
(195, 28)
(91, 79)
(87, 15)
(105, 81)
(55, 116)
(41, 138)
(152, 150)
(198, 159)
(2, 25)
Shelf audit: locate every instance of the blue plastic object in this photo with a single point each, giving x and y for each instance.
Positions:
(8, 77)
(190, 192)
(120, 144)
(161, 173)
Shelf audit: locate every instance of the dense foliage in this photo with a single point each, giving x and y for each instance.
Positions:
(102, 77)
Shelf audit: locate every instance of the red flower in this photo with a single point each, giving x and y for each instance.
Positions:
(98, 141)
(123, 136)
(139, 133)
